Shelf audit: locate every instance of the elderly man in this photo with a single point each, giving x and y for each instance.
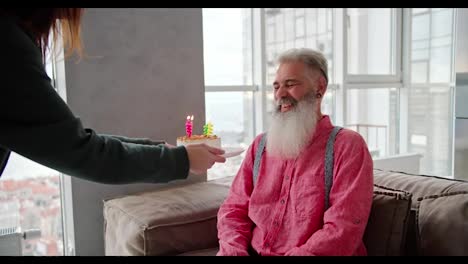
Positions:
(281, 201)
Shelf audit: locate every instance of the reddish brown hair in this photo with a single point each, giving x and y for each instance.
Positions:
(40, 22)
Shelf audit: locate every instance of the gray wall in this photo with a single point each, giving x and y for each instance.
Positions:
(143, 76)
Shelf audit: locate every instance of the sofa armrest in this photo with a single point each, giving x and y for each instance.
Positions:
(164, 222)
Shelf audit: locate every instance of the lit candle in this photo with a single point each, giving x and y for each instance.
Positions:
(208, 129)
(189, 126)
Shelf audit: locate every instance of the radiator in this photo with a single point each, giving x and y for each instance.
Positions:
(11, 240)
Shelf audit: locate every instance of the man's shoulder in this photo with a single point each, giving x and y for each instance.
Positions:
(348, 136)
(257, 139)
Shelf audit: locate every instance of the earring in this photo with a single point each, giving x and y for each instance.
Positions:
(318, 95)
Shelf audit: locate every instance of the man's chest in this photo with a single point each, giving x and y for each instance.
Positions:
(299, 179)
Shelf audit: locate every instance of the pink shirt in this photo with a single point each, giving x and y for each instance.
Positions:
(283, 214)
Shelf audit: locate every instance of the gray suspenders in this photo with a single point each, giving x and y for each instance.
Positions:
(329, 158)
(258, 158)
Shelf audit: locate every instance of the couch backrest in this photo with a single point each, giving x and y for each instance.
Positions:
(438, 219)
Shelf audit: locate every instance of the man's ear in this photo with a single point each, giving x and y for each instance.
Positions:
(322, 85)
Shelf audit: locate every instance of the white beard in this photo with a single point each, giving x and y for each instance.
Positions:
(291, 131)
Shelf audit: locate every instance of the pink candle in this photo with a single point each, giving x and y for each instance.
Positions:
(189, 126)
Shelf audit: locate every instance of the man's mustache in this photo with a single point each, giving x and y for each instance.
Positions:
(287, 100)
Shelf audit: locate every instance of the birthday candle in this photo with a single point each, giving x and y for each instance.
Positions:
(209, 128)
(189, 126)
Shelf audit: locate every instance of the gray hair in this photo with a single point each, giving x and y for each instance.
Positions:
(313, 59)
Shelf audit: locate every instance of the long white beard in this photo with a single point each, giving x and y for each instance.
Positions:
(291, 131)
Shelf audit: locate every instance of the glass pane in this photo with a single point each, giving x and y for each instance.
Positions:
(280, 36)
(442, 23)
(441, 59)
(371, 41)
(429, 128)
(321, 20)
(232, 116)
(420, 44)
(419, 72)
(311, 43)
(441, 46)
(299, 12)
(373, 113)
(300, 31)
(300, 43)
(270, 33)
(432, 44)
(230, 47)
(270, 98)
(420, 54)
(311, 21)
(30, 199)
(419, 10)
(328, 104)
(289, 23)
(310, 17)
(420, 27)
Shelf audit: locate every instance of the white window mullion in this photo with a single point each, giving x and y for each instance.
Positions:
(341, 63)
(402, 146)
(259, 68)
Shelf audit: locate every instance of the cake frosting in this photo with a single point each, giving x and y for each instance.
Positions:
(211, 140)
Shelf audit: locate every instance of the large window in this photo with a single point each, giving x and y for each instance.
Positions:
(372, 77)
(390, 73)
(430, 95)
(372, 42)
(228, 77)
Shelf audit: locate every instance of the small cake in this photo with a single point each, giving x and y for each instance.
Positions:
(208, 137)
(211, 140)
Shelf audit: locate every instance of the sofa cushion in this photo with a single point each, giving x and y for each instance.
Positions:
(164, 222)
(417, 185)
(423, 187)
(442, 222)
(388, 221)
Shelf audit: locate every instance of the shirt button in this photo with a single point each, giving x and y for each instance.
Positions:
(267, 244)
(282, 201)
(275, 223)
(287, 177)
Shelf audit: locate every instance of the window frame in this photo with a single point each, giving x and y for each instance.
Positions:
(386, 79)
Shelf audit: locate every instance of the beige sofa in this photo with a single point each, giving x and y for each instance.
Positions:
(411, 215)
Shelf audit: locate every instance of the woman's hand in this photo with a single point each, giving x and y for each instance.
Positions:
(202, 157)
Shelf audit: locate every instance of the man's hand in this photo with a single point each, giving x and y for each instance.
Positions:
(202, 157)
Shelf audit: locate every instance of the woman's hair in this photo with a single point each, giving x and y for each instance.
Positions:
(40, 22)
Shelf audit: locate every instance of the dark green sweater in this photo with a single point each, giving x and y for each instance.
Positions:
(37, 124)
